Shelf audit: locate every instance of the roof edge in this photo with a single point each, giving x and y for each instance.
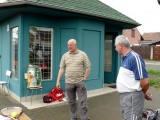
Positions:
(18, 3)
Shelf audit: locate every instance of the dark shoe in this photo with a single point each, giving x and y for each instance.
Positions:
(74, 119)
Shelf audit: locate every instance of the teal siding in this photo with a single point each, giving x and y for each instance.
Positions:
(90, 39)
(90, 36)
(92, 42)
(66, 34)
(40, 21)
(5, 50)
(14, 85)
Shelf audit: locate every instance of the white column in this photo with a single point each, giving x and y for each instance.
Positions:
(151, 55)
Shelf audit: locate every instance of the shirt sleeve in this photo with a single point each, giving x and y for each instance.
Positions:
(62, 63)
(139, 68)
(86, 61)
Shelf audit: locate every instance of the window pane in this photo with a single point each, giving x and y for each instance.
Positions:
(40, 49)
(108, 53)
(133, 33)
(14, 52)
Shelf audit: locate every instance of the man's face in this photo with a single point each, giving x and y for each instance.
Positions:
(118, 48)
(72, 46)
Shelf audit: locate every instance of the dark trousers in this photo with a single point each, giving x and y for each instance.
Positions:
(80, 90)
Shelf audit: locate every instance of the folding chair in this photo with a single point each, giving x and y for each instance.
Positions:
(5, 83)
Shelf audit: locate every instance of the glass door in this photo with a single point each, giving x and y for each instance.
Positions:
(0, 55)
(110, 63)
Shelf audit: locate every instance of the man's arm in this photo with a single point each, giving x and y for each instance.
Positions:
(60, 73)
(145, 86)
(86, 73)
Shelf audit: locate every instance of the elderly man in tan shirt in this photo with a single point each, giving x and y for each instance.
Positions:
(76, 65)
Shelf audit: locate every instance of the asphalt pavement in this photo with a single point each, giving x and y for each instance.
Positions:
(101, 107)
(153, 64)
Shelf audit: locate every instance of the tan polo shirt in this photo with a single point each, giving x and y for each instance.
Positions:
(74, 66)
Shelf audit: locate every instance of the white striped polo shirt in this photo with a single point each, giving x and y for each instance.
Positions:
(74, 65)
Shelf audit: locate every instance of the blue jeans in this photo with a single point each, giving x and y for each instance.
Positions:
(80, 90)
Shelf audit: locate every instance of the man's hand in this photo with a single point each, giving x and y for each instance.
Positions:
(148, 96)
(58, 84)
(60, 73)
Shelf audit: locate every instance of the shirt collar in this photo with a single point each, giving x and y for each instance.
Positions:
(77, 51)
(126, 55)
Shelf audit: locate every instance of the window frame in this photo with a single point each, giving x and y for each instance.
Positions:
(133, 31)
(108, 53)
(15, 57)
(45, 40)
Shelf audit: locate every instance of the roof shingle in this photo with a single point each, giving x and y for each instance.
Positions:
(88, 7)
(153, 36)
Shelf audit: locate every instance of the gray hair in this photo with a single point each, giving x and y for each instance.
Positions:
(121, 39)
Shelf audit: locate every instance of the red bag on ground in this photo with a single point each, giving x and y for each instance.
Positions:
(47, 99)
(55, 94)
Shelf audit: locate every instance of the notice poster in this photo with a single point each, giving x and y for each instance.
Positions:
(34, 76)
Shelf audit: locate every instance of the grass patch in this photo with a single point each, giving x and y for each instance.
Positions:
(155, 82)
(154, 77)
(153, 72)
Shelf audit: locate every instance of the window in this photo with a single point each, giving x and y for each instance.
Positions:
(133, 33)
(108, 53)
(40, 49)
(14, 52)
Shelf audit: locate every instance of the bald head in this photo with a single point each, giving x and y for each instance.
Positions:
(72, 41)
(72, 45)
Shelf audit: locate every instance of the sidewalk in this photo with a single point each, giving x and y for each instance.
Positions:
(101, 107)
(152, 62)
(37, 102)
